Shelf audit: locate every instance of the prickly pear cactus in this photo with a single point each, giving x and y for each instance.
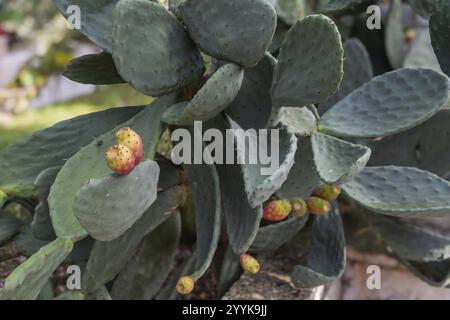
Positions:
(102, 197)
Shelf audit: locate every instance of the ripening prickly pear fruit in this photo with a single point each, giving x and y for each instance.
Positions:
(410, 36)
(249, 264)
(129, 138)
(318, 205)
(327, 192)
(277, 210)
(120, 159)
(185, 285)
(299, 207)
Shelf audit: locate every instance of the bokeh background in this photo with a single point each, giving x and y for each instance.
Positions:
(35, 45)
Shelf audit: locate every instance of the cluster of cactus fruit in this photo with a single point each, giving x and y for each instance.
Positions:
(294, 65)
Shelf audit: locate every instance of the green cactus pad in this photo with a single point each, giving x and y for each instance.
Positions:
(242, 221)
(300, 120)
(239, 31)
(338, 161)
(400, 191)
(254, 97)
(440, 33)
(41, 226)
(204, 182)
(315, 76)
(422, 54)
(157, 57)
(394, 35)
(99, 269)
(260, 187)
(216, 95)
(357, 71)
(53, 146)
(340, 6)
(96, 69)
(230, 271)
(71, 295)
(303, 177)
(326, 259)
(289, 11)
(109, 206)
(89, 163)
(44, 182)
(388, 104)
(273, 236)
(434, 273)
(96, 19)
(422, 147)
(412, 242)
(27, 280)
(146, 272)
(9, 226)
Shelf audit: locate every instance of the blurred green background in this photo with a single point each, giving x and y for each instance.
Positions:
(35, 45)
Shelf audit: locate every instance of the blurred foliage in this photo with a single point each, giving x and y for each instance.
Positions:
(31, 120)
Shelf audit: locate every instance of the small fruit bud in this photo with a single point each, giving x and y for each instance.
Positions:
(318, 206)
(410, 36)
(277, 210)
(185, 285)
(120, 159)
(129, 138)
(327, 192)
(299, 207)
(249, 264)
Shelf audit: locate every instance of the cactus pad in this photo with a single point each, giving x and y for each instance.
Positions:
(300, 120)
(316, 75)
(440, 31)
(326, 260)
(216, 95)
(141, 56)
(96, 19)
(239, 31)
(388, 104)
(338, 161)
(97, 69)
(109, 206)
(400, 191)
(273, 236)
(254, 96)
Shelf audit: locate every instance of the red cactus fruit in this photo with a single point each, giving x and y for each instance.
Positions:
(120, 159)
(249, 264)
(277, 210)
(327, 192)
(129, 138)
(318, 205)
(185, 285)
(299, 207)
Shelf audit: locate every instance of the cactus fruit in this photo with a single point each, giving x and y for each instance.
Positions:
(185, 285)
(327, 192)
(277, 210)
(299, 207)
(129, 138)
(120, 159)
(318, 206)
(249, 264)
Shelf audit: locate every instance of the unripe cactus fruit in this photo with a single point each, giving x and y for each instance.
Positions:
(410, 36)
(120, 159)
(327, 192)
(277, 210)
(318, 205)
(249, 264)
(129, 138)
(185, 285)
(299, 207)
